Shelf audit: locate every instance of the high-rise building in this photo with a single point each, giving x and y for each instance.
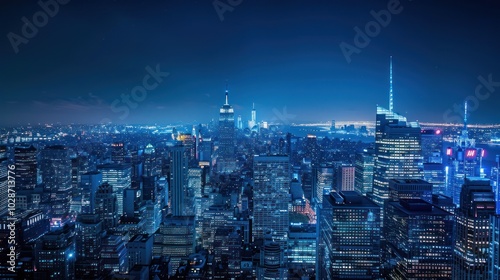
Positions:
(494, 252)
(226, 161)
(364, 172)
(90, 182)
(119, 177)
(175, 238)
(56, 176)
(252, 123)
(26, 167)
(311, 150)
(88, 241)
(106, 206)
(301, 256)
(55, 255)
(349, 238)
(271, 197)
(419, 240)
(118, 153)
(473, 229)
(434, 173)
(271, 261)
(152, 164)
(463, 160)
(398, 153)
(323, 182)
(432, 145)
(114, 254)
(409, 189)
(140, 250)
(181, 203)
(345, 178)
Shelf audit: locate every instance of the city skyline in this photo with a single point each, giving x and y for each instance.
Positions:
(273, 55)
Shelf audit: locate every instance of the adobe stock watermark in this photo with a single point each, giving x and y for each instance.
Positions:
(11, 208)
(221, 6)
(483, 91)
(39, 19)
(372, 29)
(138, 94)
(282, 116)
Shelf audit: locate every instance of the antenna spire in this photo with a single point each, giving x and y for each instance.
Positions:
(465, 115)
(227, 92)
(391, 97)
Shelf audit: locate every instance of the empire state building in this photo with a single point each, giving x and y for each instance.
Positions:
(226, 162)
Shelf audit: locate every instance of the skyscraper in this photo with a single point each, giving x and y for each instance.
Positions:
(494, 252)
(88, 240)
(226, 161)
(271, 197)
(473, 229)
(253, 120)
(119, 176)
(364, 172)
(26, 167)
(419, 240)
(55, 255)
(90, 182)
(349, 239)
(345, 178)
(463, 160)
(56, 176)
(181, 203)
(106, 206)
(398, 152)
(398, 149)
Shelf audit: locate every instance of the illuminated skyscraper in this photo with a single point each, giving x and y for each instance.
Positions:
(120, 178)
(26, 167)
(271, 197)
(345, 178)
(118, 153)
(106, 205)
(398, 152)
(419, 240)
(181, 203)
(90, 182)
(55, 255)
(253, 121)
(56, 176)
(473, 229)
(88, 237)
(349, 239)
(463, 160)
(364, 172)
(494, 253)
(226, 161)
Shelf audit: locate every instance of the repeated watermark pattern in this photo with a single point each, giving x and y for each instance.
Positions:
(483, 91)
(138, 94)
(282, 116)
(372, 29)
(39, 19)
(222, 6)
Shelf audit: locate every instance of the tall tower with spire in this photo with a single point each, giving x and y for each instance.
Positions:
(226, 161)
(395, 136)
(253, 121)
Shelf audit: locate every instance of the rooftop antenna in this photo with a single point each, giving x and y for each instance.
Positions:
(465, 115)
(227, 92)
(391, 97)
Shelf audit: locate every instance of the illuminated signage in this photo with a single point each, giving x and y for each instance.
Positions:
(470, 153)
(449, 151)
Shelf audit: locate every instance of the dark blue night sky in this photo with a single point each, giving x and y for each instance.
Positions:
(278, 54)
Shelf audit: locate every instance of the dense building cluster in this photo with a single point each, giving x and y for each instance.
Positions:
(228, 201)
